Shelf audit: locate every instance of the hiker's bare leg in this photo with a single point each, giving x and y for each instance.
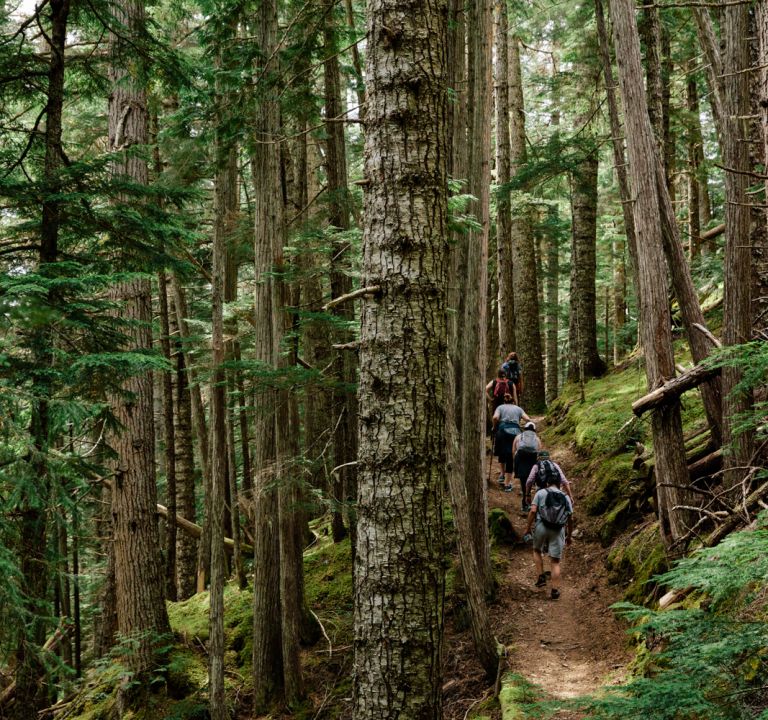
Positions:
(539, 561)
(555, 574)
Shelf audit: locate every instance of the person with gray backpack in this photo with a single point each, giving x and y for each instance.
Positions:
(525, 451)
(552, 511)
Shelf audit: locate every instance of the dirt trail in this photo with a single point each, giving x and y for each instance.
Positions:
(571, 646)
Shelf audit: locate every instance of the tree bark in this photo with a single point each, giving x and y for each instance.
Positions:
(399, 575)
(506, 297)
(474, 325)
(737, 309)
(344, 362)
(760, 252)
(553, 307)
(169, 437)
(585, 361)
(655, 318)
(186, 550)
(527, 329)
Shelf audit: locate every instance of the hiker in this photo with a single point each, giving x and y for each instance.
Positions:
(514, 372)
(498, 388)
(539, 475)
(506, 425)
(552, 511)
(525, 451)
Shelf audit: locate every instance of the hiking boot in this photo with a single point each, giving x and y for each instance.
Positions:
(501, 479)
(554, 594)
(541, 581)
(548, 573)
(509, 488)
(525, 508)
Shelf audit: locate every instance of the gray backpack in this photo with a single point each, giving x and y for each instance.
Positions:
(528, 442)
(554, 511)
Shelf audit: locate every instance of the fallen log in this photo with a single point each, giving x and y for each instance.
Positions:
(713, 232)
(707, 465)
(672, 389)
(196, 531)
(50, 644)
(736, 518)
(192, 528)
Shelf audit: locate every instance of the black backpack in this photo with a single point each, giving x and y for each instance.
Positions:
(512, 368)
(545, 474)
(554, 512)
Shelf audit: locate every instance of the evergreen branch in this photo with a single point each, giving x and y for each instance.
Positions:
(28, 147)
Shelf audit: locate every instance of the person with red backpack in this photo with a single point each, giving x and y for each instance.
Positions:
(497, 389)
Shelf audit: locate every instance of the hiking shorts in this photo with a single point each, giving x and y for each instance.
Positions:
(554, 538)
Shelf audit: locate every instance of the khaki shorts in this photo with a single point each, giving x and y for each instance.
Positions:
(554, 538)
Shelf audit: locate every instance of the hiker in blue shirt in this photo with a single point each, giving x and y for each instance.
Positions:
(552, 511)
(506, 424)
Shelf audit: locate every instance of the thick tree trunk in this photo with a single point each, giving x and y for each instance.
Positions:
(527, 328)
(399, 575)
(694, 148)
(585, 361)
(671, 468)
(141, 612)
(737, 307)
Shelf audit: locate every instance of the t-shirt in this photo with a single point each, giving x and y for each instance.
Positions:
(540, 498)
(509, 413)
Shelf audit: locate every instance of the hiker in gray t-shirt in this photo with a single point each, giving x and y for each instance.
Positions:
(506, 426)
(552, 510)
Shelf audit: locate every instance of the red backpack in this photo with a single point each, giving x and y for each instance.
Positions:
(500, 390)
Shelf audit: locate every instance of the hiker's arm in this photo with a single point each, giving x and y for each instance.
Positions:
(525, 418)
(488, 391)
(531, 518)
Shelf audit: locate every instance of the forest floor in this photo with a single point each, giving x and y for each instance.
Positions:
(568, 647)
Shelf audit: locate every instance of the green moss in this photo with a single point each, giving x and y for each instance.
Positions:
(500, 527)
(636, 560)
(515, 693)
(610, 482)
(615, 521)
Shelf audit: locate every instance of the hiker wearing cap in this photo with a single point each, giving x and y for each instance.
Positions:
(552, 512)
(506, 425)
(539, 475)
(525, 450)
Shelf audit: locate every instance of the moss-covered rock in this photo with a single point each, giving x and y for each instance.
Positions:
(500, 527)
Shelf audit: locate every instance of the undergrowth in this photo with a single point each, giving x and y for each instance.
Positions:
(707, 657)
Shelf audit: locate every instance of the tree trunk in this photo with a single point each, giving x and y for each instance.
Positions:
(760, 252)
(553, 307)
(671, 468)
(399, 573)
(344, 364)
(275, 647)
(169, 437)
(527, 330)
(141, 611)
(619, 161)
(694, 146)
(186, 547)
(506, 298)
(474, 326)
(737, 309)
(585, 361)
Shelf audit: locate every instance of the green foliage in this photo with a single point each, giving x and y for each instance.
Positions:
(709, 659)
